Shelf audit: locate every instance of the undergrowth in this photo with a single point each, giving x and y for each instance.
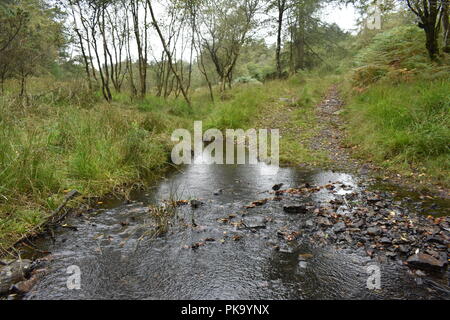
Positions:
(398, 106)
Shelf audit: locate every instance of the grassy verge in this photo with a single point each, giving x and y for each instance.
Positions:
(286, 105)
(68, 139)
(47, 150)
(398, 104)
(404, 127)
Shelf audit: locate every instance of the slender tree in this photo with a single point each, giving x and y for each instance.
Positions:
(281, 7)
(446, 25)
(168, 53)
(225, 27)
(430, 14)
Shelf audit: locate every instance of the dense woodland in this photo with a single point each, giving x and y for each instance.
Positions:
(166, 48)
(172, 47)
(90, 90)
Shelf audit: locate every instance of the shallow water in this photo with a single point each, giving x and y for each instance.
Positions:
(115, 264)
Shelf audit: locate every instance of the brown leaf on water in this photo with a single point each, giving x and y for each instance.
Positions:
(197, 245)
(179, 203)
(224, 220)
(329, 186)
(236, 237)
(257, 203)
(293, 236)
(237, 224)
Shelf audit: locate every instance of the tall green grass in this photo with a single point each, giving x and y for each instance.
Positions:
(47, 149)
(399, 113)
(404, 126)
(240, 108)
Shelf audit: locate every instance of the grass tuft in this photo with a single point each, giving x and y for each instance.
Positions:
(405, 126)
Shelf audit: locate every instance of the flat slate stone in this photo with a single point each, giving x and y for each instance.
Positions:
(426, 262)
(295, 209)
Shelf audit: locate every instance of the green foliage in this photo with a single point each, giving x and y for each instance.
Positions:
(48, 148)
(399, 111)
(173, 106)
(406, 124)
(256, 61)
(30, 41)
(247, 80)
(402, 45)
(396, 55)
(368, 74)
(238, 112)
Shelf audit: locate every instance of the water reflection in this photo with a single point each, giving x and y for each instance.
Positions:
(115, 264)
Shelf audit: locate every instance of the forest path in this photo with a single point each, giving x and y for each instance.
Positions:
(331, 140)
(312, 136)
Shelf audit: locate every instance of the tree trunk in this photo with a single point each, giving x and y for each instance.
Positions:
(202, 68)
(88, 41)
(446, 26)
(105, 89)
(429, 13)
(2, 84)
(281, 9)
(169, 54)
(105, 56)
(432, 42)
(85, 59)
(83, 51)
(141, 45)
(22, 85)
(133, 88)
(278, 52)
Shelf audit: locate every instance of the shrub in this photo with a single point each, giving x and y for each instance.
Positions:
(395, 56)
(366, 75)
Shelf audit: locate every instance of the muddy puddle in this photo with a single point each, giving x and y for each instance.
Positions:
(222, 250)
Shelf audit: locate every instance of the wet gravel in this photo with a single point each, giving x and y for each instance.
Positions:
(331, 138)
(314, 237)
